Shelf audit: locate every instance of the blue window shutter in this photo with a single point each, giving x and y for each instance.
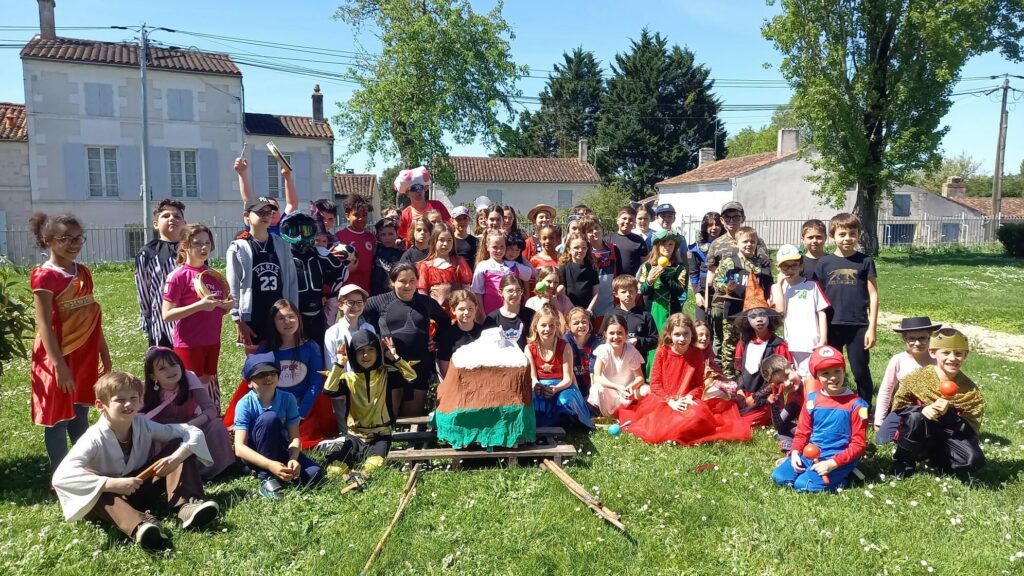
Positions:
(179, 104)
(301, 174)
(92, 99)
(129, 172)
(159, 172)
(258, 172)
(106, 100)
(209, 183)
(76, 172)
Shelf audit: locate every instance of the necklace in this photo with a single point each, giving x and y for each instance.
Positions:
(261, 246)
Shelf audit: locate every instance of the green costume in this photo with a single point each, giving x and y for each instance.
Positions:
(662, 296)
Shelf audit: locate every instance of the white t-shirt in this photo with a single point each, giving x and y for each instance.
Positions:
(803, 302)
(620, 370)
(340, 335)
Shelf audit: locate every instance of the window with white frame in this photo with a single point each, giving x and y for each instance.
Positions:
(102, 167)
(564, 199)
(495, 196)
(274, 177)
(184, 176)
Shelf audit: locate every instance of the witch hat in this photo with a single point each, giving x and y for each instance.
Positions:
(753, 297)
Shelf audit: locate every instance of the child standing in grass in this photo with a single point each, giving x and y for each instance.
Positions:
(512, 316)
(175, 395)
(835, 421)
(556, 399)
(606, 261)
(442, 271)
(266, 424)
(756, 327)
(915, 332)
(738, 273)
(618, 370)
(802, 305)
(812, 234)
(641, 330)
(547, 248)
(385, 255)
(849, 280)
(577, 273)
(542, 215)
(153, 264)
(662, 280)
(197, 320)
(69, 347)
(939, 424)
(99, 478)
(492, 267)
(419, 240)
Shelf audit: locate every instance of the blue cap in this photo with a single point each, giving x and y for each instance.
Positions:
(662, 208)
(256, 364)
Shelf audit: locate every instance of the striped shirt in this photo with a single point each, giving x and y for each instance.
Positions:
(153, 264)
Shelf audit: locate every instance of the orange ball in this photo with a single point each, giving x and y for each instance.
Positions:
(812, 451)
(948, 388)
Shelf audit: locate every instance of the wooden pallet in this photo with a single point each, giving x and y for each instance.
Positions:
(423, 446)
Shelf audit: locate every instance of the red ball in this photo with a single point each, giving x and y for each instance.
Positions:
(948, 388)
(812, 451)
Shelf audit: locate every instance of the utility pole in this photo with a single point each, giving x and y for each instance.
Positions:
(143, 57)
(997, 177)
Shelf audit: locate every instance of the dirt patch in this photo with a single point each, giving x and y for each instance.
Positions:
(989, 342)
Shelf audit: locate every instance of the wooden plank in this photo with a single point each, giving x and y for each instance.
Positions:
(544, 434)
(411, 420)
(527, 452)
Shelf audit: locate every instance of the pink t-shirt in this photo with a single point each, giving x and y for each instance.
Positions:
(200, 328)
(365, 244)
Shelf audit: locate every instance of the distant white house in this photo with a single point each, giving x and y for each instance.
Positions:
(777, 196)
(524, 182)
(79, 141)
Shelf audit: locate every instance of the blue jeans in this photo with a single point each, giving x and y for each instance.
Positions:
(809, 480)
(267, 436)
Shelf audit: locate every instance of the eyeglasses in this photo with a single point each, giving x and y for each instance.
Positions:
(74, 240)
(354, 303)
(915, 338)
(733, 218)
(265, 212)
(201, 244)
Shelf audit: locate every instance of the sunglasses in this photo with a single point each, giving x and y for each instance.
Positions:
(73, 240)
(417, 188)
(265, 212)
(732, 218)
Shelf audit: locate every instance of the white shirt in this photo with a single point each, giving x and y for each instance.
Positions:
(337, 336)
(97, 455)
(803, 302)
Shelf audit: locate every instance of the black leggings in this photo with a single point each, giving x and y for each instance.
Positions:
(950, 445)
(850, 340)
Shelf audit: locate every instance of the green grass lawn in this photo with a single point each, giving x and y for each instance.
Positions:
(730, 520)
(970, 288)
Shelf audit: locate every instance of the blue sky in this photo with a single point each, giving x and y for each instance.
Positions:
(723, 35)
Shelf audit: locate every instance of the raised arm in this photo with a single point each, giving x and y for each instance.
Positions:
(244, 183)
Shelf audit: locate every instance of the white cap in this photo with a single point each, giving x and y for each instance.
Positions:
(482, 203)
(460, 211)
(786, 253)
(350, 288)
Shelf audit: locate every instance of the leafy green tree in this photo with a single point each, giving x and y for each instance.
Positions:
(658, 113)
(386, 188)
(444, 71)
(962, 165)
(606, 200)
(750, 141)
(873, 79)
(569, 105)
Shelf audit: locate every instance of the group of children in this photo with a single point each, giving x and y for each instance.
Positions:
(346, 331)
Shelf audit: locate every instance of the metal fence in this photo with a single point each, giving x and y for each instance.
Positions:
(121, 244)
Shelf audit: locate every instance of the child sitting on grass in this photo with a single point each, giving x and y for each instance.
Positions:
(640, 327)
(786, 398)
(834, 420)
(618, 370)
(267, 430)
(369, 414)
(940, 421)
(915, 332)
(100, 479)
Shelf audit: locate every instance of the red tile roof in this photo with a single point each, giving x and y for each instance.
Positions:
(725, 169)
(1009, 207)
(558, 170)
(362, 184)
(13, 122)
(286, 126)
(124, 54)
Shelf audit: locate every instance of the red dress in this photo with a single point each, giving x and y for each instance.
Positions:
(77, 322)
(455, 276)
(675, 376)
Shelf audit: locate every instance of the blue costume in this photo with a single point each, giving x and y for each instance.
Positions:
(837, 425)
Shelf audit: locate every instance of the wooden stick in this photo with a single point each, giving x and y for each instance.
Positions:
(586, 497)
(149, 471)
(407, 495)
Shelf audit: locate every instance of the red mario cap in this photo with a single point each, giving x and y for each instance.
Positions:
(824, 358)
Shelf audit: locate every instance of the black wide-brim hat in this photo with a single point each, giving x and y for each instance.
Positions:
(916, 323)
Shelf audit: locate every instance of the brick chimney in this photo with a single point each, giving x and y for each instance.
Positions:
(9, 121)
(954, 188)
(47, 27)
(318, 105)
(583, 151)
(788, 142)
(705, 156)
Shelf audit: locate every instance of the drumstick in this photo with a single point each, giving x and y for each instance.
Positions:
(149, 471)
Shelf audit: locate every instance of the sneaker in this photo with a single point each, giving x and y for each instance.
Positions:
(780, 461)
(271, 489)
(330, 445)
(198, 513)
(150, 536)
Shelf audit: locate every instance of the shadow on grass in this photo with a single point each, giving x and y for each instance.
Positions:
(26, 480)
